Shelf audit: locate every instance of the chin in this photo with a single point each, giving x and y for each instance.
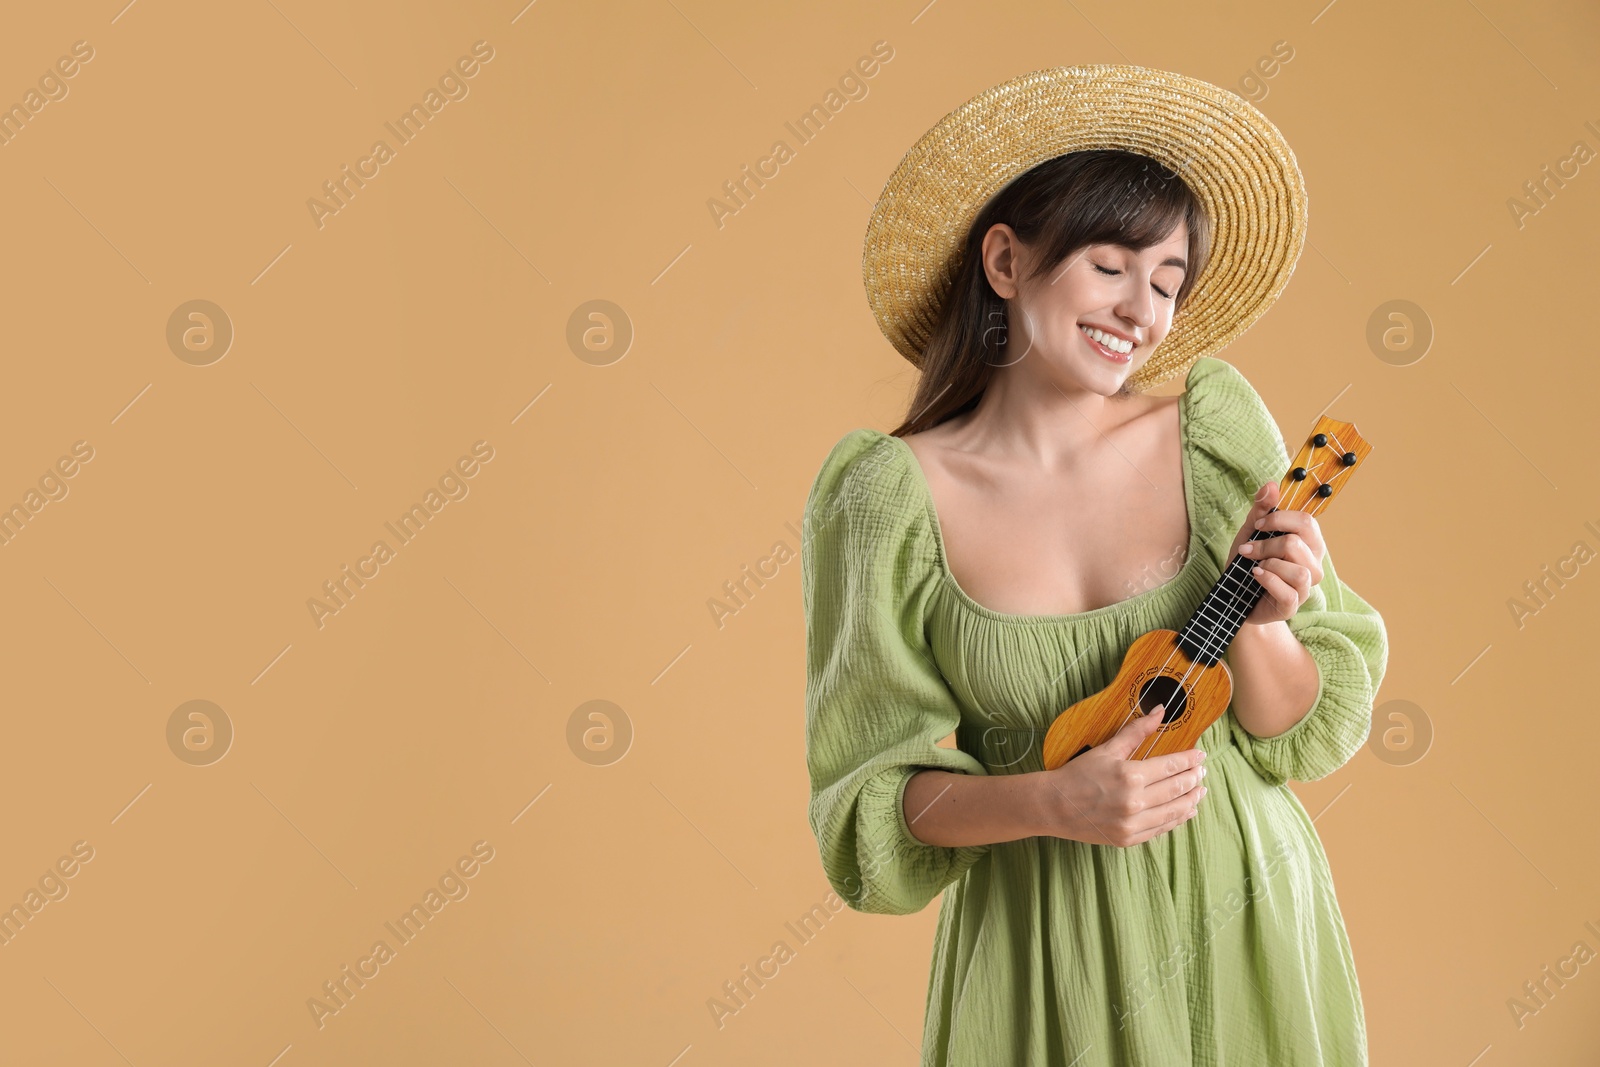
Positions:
(1102, 377)
(1089, 370)
(1111, 374)
(1128, 388)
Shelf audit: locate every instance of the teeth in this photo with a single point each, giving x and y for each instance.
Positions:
(1116, 344)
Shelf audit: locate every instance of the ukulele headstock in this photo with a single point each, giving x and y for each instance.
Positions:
(1332, 452)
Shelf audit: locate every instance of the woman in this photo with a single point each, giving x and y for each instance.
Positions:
(986, 565)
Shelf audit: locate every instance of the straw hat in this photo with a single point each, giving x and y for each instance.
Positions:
(1229, 153)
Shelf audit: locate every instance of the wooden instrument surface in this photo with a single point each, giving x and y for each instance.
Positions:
(1185, 671)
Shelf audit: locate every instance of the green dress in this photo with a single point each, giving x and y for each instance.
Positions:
(1218, 943)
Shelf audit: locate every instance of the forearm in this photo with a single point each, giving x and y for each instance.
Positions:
(951, 809)
(1275, 680)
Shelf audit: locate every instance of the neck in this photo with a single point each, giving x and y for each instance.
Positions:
(1025, 410)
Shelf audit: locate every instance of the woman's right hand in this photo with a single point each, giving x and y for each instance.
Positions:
(1104, 798)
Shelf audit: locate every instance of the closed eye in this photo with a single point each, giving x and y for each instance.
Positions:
(1107, 270)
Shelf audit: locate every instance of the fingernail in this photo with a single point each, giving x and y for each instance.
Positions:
(1202, 770)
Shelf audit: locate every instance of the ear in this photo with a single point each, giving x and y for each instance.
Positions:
(1004, 260)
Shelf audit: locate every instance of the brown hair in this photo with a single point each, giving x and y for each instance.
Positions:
(1104, 196)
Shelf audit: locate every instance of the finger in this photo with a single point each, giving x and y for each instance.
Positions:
(1261, 506)
(1284, 546)
(1294, 575)
(1283, 523)
(1176, 763)
(1300, 522)
(1166, 790)
(1289, 547)
(1127, 739)
(1264, 501)
(1153, 820)
(1301, 554)
(1311, 534)
(1164, 828)
(1280, 591)
(1295, 549)
(1266, 498)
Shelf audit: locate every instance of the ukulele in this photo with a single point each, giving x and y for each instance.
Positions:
(1184, 670)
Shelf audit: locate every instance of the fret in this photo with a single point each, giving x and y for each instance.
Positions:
(1221, 613)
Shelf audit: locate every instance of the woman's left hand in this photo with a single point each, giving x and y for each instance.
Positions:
(1287, 566)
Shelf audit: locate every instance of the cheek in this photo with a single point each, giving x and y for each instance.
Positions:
(1162, 326)
(1042, 319)
(1061, 331)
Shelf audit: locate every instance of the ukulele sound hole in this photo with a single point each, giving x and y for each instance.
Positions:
(1164, 690)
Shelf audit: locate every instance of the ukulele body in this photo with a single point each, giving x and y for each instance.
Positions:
(1156, 665)
(1152, 673)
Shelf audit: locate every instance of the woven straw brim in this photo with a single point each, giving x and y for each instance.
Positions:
(1238, 164)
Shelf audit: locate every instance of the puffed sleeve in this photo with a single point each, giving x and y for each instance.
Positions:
(876, 702)
(1343, 633)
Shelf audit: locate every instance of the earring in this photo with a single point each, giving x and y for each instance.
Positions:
(988, 331)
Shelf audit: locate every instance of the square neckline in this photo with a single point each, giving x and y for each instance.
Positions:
(1166, 588)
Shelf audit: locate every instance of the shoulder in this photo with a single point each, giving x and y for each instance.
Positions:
(1222, 401)
(864, 467)
(865, 494)
(1228, 421)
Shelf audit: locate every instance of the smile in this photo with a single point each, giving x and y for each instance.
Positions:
(1113, 348)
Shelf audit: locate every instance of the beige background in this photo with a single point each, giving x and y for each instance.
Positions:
(432, 711)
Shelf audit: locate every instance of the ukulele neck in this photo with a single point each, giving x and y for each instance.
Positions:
(1319, 472)
(1218, 619)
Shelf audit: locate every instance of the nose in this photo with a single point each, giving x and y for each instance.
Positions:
(1137, 306)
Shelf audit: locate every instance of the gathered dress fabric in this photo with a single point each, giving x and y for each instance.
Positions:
(1217, 944)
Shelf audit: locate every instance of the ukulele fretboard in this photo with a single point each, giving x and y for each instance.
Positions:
(1216, 622)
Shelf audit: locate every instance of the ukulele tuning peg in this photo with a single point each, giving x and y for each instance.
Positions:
(1298, 474)
(1320, 439)
(1349, 459)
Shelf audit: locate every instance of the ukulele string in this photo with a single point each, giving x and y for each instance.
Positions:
(1228, 579)
(1316, 507)
(1228, 582)
(1232, 620)
(1232, 581)
(1238, 613)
